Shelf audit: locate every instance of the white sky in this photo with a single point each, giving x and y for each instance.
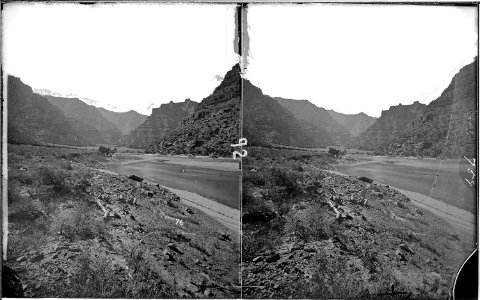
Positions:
(126, 56)
(354, 58)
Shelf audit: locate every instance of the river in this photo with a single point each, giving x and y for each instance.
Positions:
(216, 179)
(444, 180)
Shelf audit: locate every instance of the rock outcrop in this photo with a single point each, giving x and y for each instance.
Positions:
(33, 119)
(161, 122)
(318, 117)
(447, 127)
(126, 122)
(354, 123)
(213, 125)
(267, 122)
(392, 122)
(87, 121)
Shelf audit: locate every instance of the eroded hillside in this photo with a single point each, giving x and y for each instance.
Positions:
(310, 232)
(76, 231)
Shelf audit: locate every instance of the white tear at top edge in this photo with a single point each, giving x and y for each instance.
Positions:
(242, 41)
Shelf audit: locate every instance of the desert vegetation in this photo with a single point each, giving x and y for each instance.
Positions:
(310, 232)
(75, 231)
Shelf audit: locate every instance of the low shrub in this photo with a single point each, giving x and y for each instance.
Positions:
(48, 175)
(106, 151)
(66, 165)
(429, 247)
(78, 224)
(253, 177)
(13, 192)
(297, 167)
(93, 277)
(285, 178)
(24, 177)
(332, 280)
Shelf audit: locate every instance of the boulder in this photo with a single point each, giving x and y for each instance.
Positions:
(136, 178)
(366, 179)
(273, 258)
(175, 248)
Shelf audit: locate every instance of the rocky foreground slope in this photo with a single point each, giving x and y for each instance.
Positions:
(76, 231)
(447, 127)
(33, 119)
(159, 124)
(391, 122)
(309, 232)
(213, 125)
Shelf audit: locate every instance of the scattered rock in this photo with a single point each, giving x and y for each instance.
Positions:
(273, 258)
(37, 258)
(366, 179)
(136, 178)
(406, 248)
(295, 248)
(225, 237)
(175, 248)
(402, 256)
(190, 211)
(171, 204)
(263, 215)
(258, 258)
(208, 293)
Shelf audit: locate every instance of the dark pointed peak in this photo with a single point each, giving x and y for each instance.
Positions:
(229, 78)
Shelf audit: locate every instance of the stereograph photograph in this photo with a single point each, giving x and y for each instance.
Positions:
(121, 182)
(239, 150)
(360, 179)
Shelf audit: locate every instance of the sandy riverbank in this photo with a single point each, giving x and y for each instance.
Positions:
(225, 215)
(460, 219)
(228, 216)
(457, 217)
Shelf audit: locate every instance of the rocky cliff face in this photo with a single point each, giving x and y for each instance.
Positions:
(32, 118)
(161, 122)
(267, 122)
(391, 122)
(318, 117)
(126, 122)
(447, 127)
(213, 125)
(355, 124)
(86, 120)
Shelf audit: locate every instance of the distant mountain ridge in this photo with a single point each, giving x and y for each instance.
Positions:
(391, 122)
(447, 126)
(126, 122)
(318, 117)
(267, 122)
(87, 120)
(354, 123)
(162, 121)
(212, 126)
(33, 119)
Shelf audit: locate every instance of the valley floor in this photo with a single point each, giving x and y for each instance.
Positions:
(77, 231)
